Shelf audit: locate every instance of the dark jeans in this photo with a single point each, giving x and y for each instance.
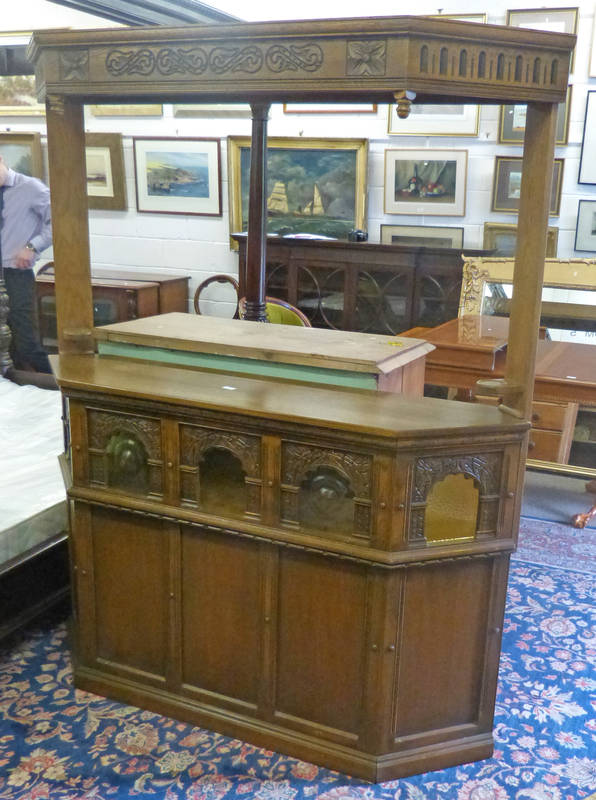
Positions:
(25, 349)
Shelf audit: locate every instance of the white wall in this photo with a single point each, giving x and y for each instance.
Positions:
(199, 246)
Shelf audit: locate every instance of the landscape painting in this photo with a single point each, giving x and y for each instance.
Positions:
(314, 187)
(18, 97)
(178, 176)
(106, 184)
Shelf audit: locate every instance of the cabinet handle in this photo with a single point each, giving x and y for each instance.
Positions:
(170, 465)
(382, 505)
(531, 445)
(267, 620)
(401, 506)
(374, 647)
(535, 417)
(269, 484)
(390, 648)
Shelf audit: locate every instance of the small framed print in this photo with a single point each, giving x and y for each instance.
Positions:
(592, 67)
(106, 184)
(556, 20)
(426, 181)
(178, 176)
(507, 185)
(131, 110)
(435, 120)
(211, 110)
(22, 152)
(460, 17)
(423, 236)
(18, 97)
(585, 232)
(587, 161)
(330, 108)
(512, 123)
(501, 239)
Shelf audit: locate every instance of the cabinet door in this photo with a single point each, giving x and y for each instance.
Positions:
(123, 593)
(221, 618)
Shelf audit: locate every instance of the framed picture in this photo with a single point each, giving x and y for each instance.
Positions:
(132, 110)
(423, 235)
(512, 123)
(587, 161)
(178, 175)
(557, 20)
(592, 66)
(460, 17)
(585, 232)
(106, 184)
(213, 110)
(314, 186)
(330, 108)
(22, 152)
(18, 97)
(435, 120)
(501, 238)
(507, 185)
(426, 182)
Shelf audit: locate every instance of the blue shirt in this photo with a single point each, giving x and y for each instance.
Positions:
(26, 216)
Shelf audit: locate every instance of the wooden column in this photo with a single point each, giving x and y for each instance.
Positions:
(256, 243)
(70, 225)
(528, 275)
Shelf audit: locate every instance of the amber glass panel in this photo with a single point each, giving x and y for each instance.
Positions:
(451, 510)
(127, 463)
(222, 488)
(327, 501)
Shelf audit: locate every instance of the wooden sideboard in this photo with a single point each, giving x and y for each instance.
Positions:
(118, 295)
(317, 571)
(360, 286)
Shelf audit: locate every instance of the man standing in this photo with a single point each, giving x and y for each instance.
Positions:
(25, 230)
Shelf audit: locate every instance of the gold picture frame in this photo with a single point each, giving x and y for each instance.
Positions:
(308, 203)
(18, 97)
(512, 122)
(501, 237)
(106, 181)
(22, 152)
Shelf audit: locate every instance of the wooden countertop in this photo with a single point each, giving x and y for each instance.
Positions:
(343, 350)
(382, 414)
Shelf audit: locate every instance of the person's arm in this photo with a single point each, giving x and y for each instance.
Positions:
(26, 257)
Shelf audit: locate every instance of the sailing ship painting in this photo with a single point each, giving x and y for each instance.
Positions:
(309, 190)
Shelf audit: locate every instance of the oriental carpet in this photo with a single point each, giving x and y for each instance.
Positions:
(64, 744)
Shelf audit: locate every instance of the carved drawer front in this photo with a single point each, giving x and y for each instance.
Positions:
(125, 453)
(455, 497)
(328, 490)
(220, 472)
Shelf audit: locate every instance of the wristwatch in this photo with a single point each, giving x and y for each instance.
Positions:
(29, 246)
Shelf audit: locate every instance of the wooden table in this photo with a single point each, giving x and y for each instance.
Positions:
(340, 358)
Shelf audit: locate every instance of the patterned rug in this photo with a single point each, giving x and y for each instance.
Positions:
(64, 744)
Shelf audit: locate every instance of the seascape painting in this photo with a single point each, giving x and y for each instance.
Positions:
(178, 176)
(99, 177)
(313, 188)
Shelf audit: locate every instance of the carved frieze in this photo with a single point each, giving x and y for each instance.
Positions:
(103, 425)
(195, 441)
(298, 460)
(486, 471)
(249, 59)
(367, 58)
(74, 65)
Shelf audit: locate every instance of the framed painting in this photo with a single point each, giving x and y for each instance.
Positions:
(213, 110)
(22, 152)
(501, 239)
(423, 236)
(512, 122)
(18, 97)
(585, 232)
(556, 20)
(131, 110)
(587, 161)
(592, 66)
(178, 175)
(460, 17)
(315, 187)
(330, 108)
(435, 120)
(426, 181)
(106, 184)
(507, 185)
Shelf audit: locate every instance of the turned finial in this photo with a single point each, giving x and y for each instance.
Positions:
(404, 101)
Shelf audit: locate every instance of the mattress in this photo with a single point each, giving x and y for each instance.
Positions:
(32, 493)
